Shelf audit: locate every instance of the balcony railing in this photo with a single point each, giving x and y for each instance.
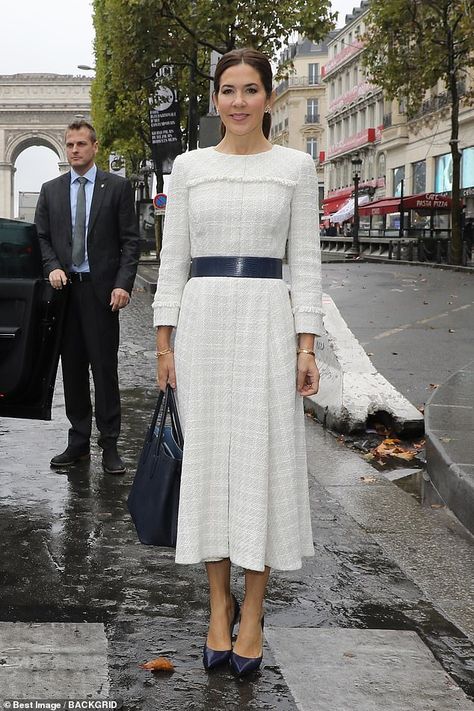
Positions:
(312, 118)
(438, 102)
(297, 82)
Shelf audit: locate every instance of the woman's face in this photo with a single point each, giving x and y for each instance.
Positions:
(241, 100)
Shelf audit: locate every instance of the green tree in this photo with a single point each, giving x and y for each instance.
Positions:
(135, 39)
(410, 46)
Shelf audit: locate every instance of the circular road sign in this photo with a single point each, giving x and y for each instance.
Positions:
(159, 201)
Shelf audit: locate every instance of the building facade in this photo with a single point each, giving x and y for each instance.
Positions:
(417, 150)
(398, 155)
(354, 119)
(300, 105)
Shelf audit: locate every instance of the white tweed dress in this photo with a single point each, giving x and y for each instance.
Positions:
(244, 488)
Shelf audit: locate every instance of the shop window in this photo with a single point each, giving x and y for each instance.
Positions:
(443, 173)
(398, 179)
(419, 177)
(467, 168)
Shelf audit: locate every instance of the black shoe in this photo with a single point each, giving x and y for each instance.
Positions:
(213, 658)
(111, 461)
(246, 665)
(70, 456)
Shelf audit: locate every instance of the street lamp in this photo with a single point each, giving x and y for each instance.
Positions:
(356, 165)
(86, 67)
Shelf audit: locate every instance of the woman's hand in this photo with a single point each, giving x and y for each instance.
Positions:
(307, 380)
(165, 372)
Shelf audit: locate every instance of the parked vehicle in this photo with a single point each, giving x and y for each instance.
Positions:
(31, 314)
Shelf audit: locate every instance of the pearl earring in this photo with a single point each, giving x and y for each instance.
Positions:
(268, 110)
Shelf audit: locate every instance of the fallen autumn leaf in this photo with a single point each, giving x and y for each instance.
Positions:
(158, 664)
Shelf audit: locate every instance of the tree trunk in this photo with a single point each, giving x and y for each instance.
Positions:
(456, 242)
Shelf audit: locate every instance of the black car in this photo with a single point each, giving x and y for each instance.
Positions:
(31, 314)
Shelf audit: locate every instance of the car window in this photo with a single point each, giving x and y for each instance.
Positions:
(20, 256)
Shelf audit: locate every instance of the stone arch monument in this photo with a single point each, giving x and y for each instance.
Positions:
(34, 111)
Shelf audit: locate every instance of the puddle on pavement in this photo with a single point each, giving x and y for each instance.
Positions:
(452, 649)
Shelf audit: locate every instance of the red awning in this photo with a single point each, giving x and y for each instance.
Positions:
(423, 201)
(427, 201)
(333, 202)
(381, 207)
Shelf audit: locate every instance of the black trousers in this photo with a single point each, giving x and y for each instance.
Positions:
(90, 338)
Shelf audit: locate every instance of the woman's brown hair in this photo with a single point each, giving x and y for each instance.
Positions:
(260, 63)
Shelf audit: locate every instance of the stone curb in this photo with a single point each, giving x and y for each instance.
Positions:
(449, 446)
(141, 282)
(351, 389)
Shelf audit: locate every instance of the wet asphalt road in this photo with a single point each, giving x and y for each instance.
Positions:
(70, 554)
(416, 323)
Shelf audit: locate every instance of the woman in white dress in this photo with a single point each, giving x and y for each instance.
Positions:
(243, 353)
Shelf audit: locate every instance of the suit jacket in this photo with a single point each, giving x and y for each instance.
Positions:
(112, 237)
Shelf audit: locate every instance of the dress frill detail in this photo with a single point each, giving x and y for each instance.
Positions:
(307, 310)
(240, 179)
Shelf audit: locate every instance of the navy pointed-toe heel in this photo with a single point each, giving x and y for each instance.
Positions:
(246, 665)
(212, 658)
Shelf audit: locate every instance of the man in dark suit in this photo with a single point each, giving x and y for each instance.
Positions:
(89, 242)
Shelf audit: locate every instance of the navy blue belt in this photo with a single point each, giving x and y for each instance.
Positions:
(256, 267)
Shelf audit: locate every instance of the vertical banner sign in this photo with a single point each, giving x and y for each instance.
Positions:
(165, 128)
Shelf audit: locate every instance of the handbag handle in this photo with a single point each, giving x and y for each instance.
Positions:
(156, 413)
(175, 423)
(169, 405)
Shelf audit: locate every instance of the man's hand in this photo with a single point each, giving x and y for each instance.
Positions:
(119, 299)
(57, 278)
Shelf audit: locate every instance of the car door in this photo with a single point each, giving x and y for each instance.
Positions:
(31, 314)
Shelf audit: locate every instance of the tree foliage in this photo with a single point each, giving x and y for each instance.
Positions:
(134, 38)
(411, 45)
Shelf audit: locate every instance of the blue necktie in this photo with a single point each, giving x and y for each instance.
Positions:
(79, 232)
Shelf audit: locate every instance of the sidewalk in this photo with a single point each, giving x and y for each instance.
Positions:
(380, 619)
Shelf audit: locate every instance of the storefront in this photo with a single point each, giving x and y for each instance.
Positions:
(426, 214)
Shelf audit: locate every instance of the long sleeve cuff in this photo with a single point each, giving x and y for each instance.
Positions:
(309, 322)
(165, 315)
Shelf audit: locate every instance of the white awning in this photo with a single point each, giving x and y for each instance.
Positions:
(346, 212)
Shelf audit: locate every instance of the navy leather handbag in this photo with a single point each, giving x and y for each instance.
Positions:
(154, 497)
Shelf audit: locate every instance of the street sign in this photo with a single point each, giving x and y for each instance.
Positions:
(159, 201)
(117, 164)
(164, 126)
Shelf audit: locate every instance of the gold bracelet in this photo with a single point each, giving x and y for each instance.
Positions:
(165, 352)
(305, 350)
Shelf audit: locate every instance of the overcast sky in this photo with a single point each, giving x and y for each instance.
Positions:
(55, 36)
